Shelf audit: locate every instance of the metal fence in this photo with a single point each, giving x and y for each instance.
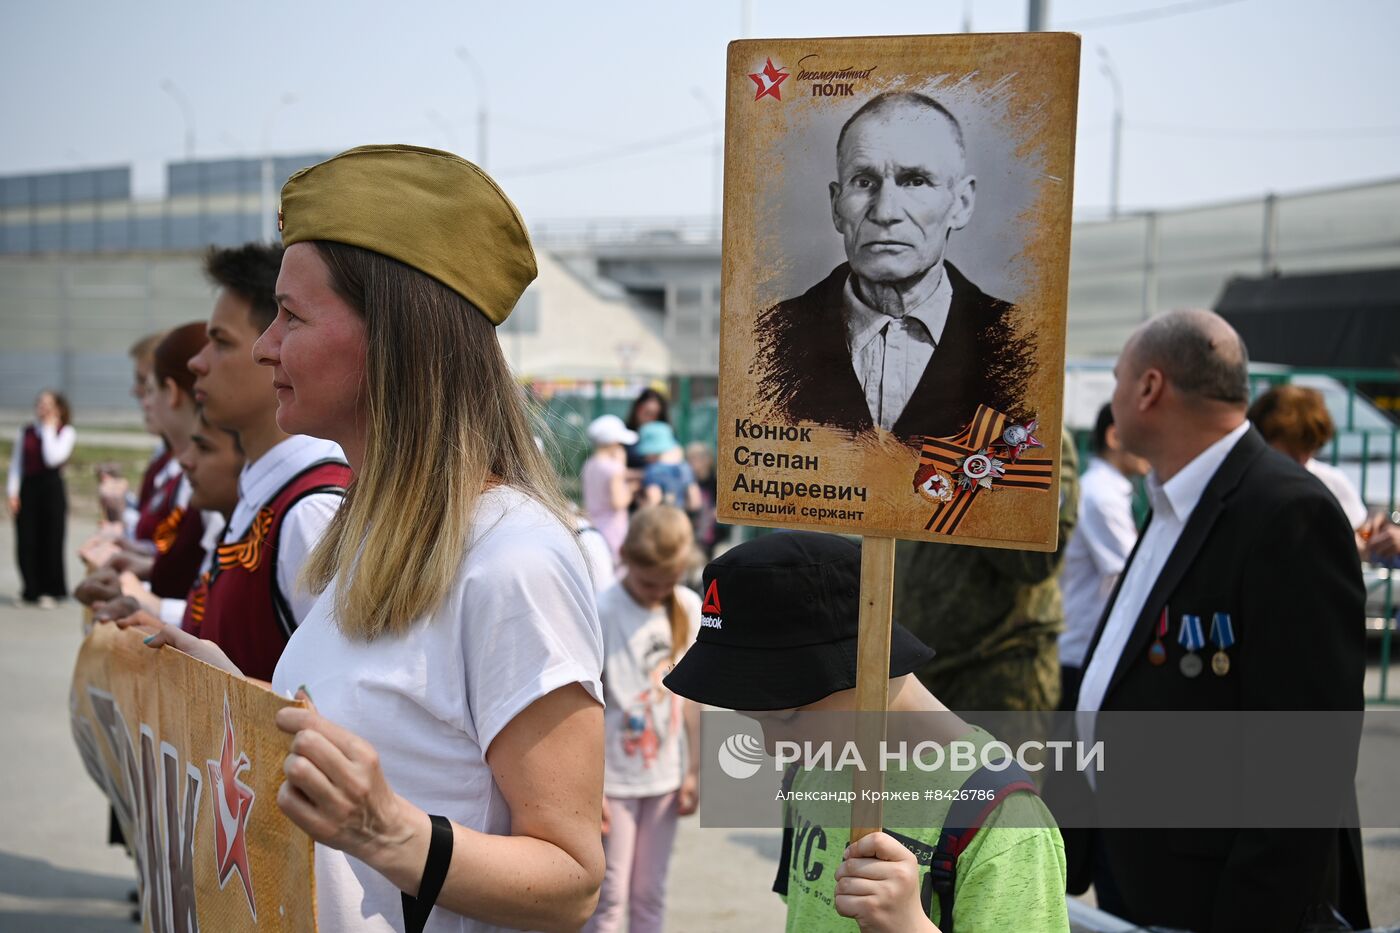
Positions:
(567, 406)
(1125, 270)
(220, 202)
(85, 269)
(1366, 447)
(67, 322)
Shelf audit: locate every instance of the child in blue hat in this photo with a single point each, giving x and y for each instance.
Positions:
(667, 478)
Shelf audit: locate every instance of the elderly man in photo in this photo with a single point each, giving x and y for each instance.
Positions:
(896, 337)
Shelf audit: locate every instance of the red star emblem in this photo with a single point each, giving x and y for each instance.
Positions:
(232, 800)
(932, 484)
(768, 81)
(1019, 438)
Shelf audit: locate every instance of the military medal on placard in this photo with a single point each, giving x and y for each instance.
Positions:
(1193, 639)
(1222, 636)
(1157, 654)
(980, 470)
(1019, 437)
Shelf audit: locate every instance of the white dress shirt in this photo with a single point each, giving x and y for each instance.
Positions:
(1340, 486)
(1095, 555)
(168, 472)
(1172, 505)
(173, 610)
(303, 524)
(131, 514)
(889, 354)
(56, 446)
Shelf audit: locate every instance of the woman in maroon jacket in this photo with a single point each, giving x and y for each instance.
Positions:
(39, 501)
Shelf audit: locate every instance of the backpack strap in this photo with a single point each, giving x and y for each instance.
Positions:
(780, 883)
(282, 607)
(965, 817)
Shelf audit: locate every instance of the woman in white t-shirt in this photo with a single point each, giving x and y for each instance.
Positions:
(649, 621)
(1295, 421)
(454, 751)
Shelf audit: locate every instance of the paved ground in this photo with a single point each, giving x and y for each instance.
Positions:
(57, 874)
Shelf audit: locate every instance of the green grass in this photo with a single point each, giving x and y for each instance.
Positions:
(81, 472)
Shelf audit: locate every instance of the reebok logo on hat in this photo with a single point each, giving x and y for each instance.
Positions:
(710, 611)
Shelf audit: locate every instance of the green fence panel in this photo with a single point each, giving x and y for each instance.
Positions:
(1365, 438)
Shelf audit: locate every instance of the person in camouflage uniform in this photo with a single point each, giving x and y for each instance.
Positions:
(994, 616)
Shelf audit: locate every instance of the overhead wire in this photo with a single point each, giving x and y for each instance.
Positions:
(1141, 16)
(1244, 132)
(615, 152)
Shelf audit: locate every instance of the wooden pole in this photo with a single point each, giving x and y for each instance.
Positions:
(872, 680)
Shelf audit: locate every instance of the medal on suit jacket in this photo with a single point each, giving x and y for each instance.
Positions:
(1157, 654)
(1193, 639)
(1222, 636)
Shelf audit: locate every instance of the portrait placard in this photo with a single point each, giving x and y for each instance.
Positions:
(896, 266)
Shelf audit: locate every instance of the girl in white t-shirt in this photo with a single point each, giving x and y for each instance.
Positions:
(454, 751)
(648, 620)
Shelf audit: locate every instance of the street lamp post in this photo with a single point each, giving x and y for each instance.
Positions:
(480, 77)
(1106, 66)
(265, 210)
(1037, 15)
(183, 102)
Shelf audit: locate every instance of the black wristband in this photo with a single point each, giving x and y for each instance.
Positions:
(416, 909)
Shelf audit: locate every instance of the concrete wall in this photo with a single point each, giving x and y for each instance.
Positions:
(67, 322)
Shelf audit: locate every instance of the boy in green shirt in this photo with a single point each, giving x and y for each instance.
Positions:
(778, 638)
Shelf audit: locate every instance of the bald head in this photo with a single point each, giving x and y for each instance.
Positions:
(1197, 351)
(913, 104)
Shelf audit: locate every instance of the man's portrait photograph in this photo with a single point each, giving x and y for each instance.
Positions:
(896, 336)
(896, 264)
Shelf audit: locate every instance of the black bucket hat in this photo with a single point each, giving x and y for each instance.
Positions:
(779, 626)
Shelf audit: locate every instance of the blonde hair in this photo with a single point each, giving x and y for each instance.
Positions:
(660, 537)
(444, 421)
(143, 350)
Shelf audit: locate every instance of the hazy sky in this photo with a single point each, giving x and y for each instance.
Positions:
(602, 109)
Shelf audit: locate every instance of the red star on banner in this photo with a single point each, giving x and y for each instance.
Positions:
(232, 801)
(768, 81)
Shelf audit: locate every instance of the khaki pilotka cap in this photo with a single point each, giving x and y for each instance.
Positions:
(426, 208)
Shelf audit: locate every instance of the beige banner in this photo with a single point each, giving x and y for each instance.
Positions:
(191, 761)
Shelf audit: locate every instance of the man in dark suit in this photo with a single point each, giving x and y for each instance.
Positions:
(896, 337)
(1240, 530)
